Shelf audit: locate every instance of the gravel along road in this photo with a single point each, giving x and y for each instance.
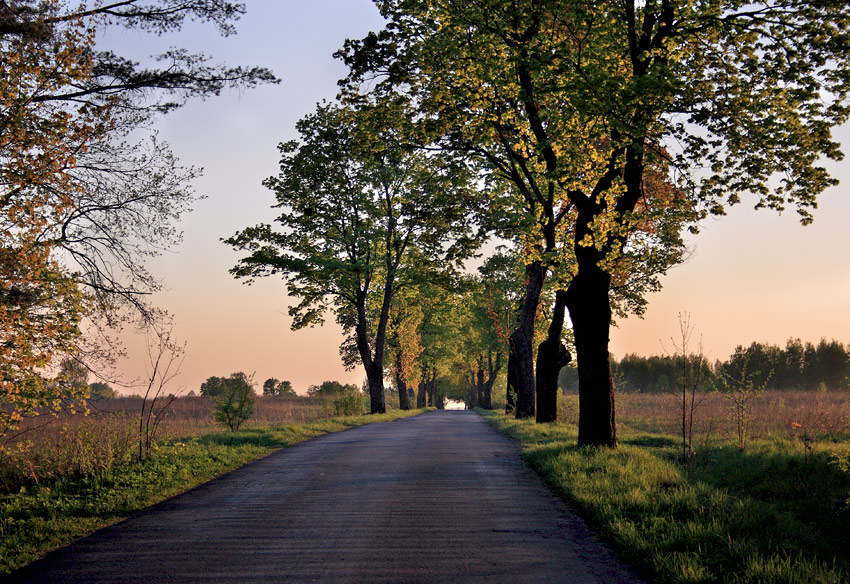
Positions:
(439, 497)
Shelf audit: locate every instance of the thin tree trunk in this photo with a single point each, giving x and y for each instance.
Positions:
(590, 313)
(479, 386)
(421, 396)
(510, 390)
(523, 337)
(401, 386)
(492, 373)
(472, 401)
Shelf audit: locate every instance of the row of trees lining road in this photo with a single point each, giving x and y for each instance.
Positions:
(588, 135)
(574, 106)
(87, 191)
(362, 218)
(798, 366)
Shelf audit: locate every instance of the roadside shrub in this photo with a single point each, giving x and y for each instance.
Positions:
(349, 403)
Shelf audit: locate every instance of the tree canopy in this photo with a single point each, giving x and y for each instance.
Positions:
(577, 104)
(362, 217)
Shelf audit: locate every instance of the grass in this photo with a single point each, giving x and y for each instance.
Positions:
(775, 513)
(39, 517)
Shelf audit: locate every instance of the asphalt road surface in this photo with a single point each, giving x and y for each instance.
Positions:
(439, 497)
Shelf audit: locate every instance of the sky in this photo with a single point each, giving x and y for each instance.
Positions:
(751, 276)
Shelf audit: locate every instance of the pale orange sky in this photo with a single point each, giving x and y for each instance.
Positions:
(753, 275)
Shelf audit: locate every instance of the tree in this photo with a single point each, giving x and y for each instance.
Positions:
(495, 299)
(741, 384)
(404, 344)
(235, 405)
(164, 359)
(85, 197)
(70, 155)
(826, 364)
(100, 390)
(690, 378)
(574, 103)
(330, 388)
(270, 386)
(362, 218)
(273, 386)
(436, 56)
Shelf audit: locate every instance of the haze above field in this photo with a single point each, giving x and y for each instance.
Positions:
(752, 275)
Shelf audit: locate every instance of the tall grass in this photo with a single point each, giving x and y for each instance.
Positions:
(44, 514)
(775, 414)
(46, 449)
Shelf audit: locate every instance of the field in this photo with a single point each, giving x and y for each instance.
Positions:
(775, 512)
(65, 479)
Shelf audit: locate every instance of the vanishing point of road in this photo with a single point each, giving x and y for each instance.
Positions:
(439, 497)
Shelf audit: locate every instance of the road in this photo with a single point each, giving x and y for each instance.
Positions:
(439, 497)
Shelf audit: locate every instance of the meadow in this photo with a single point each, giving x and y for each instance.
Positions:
(775, 512)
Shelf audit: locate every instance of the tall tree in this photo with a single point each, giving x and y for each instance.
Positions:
(84, 200)
(574, 103)
(362, 218)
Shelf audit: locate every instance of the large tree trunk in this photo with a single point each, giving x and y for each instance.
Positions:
(552, 356)
(374, 366)
(403, 395)
(377, 399)
(522, 340)
(590, 313)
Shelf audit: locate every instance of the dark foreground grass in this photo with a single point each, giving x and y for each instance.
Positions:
(776, 513)
(43, 517)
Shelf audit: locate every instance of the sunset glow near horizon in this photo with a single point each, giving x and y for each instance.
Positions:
(752, 276)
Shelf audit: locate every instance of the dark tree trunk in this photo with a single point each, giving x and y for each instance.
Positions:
(479, 385)
(522, 339)
(510, 390)
(552, 356)
(421, 396)
(374, 366)
(590, 313)
(439, 398)
(401, 386)
(472, 395)
(377, 399)
(403, 395)
(431, 387)
(492, 373)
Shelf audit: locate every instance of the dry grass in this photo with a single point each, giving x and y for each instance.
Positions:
(51, 447)
(775, 414)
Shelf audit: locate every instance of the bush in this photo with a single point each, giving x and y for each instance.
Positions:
(349, 403)
(236, 402)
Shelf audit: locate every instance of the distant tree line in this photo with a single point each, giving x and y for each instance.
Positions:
(799, 366)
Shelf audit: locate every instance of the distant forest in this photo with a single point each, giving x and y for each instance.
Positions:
(799, 366)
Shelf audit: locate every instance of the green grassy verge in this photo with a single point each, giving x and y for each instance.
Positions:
(43, 517)
(776, 513)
